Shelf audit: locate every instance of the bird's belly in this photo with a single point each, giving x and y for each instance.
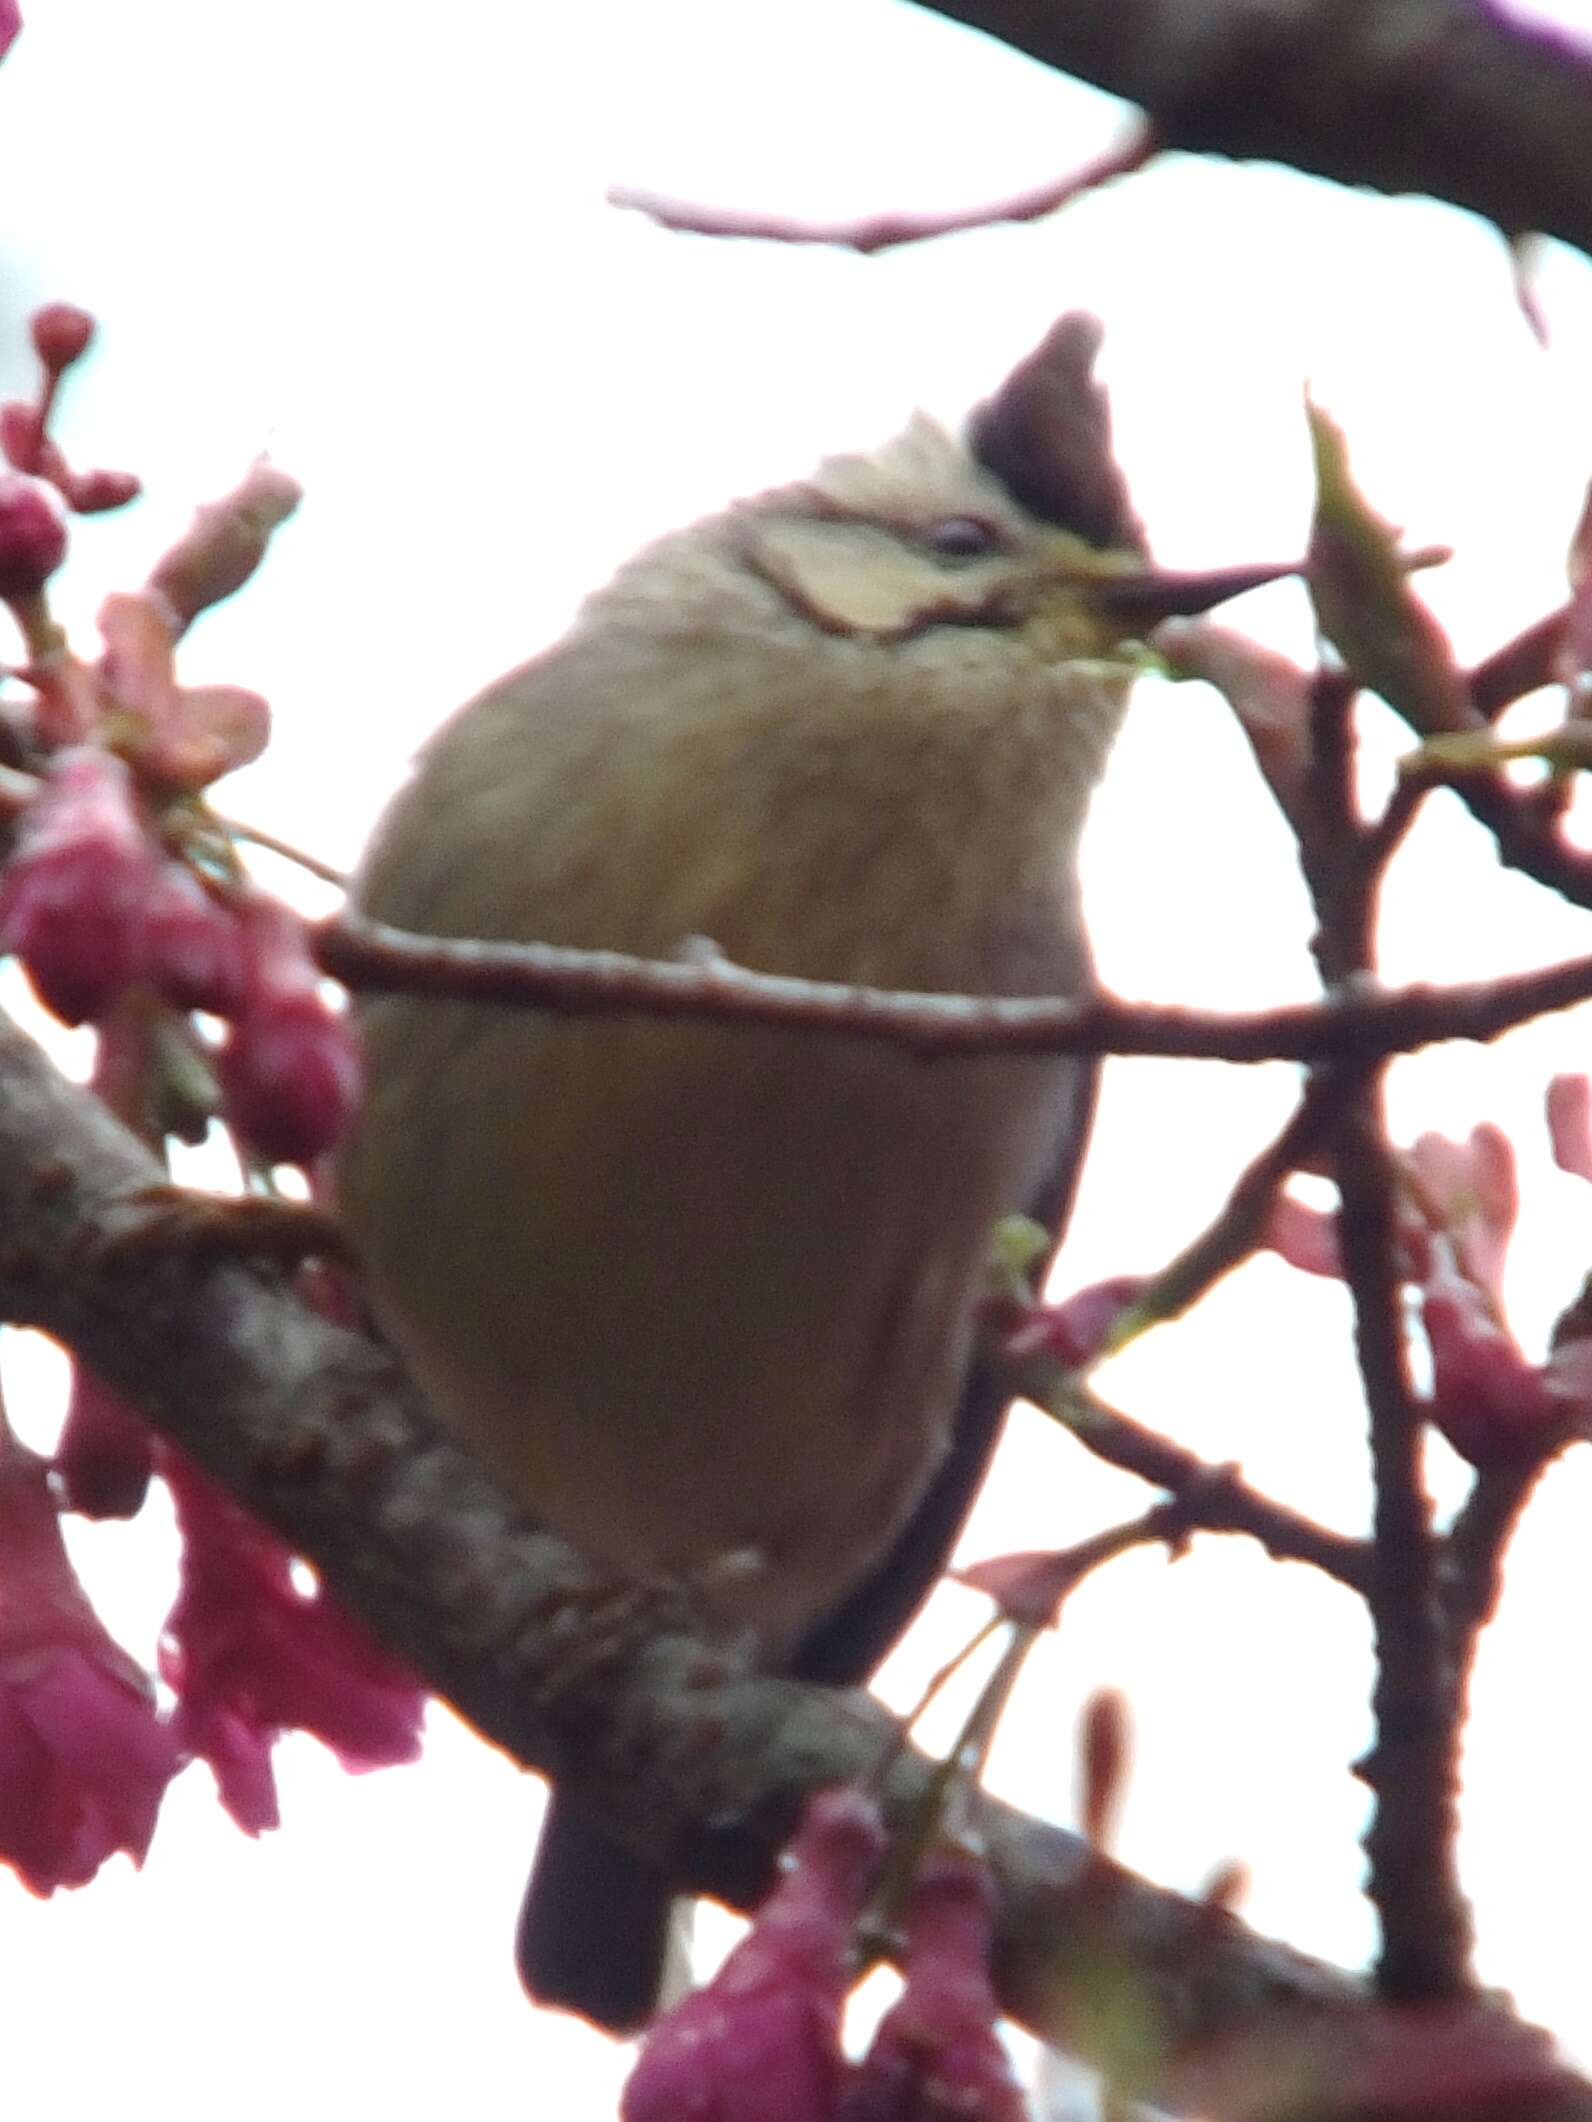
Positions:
(722, 1285)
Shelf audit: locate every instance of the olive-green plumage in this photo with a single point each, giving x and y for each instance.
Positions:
(702, 1297)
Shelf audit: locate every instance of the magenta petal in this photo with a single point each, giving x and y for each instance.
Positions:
(239, 1757)
(85, 1765)
(761, 2043)
(938, 2056)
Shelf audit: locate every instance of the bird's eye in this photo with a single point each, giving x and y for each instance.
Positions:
(962, 538)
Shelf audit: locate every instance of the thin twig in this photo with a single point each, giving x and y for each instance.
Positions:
(1413, 1766)
(257, 836)
(1521, 666)
(889, 231)
(1213, 1499)
(1356, 1023)
(1240, 1224)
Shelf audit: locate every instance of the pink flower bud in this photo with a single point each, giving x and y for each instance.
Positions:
(1076, 1330)
(1569, 1107)
(1473, 1195)
(290, 1072)
(763, 2038)
(193, 945)
(290, 1080)
(1487, 1399)
(937, 2056)
(72, 895)
(92, 493)
(61, 334)
(225, 543)
(32, 537)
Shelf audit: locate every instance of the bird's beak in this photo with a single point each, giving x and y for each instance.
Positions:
(1145, 597)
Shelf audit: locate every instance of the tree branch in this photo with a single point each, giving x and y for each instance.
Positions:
(1450, 97)
(316, 1430)
(1357, 1022)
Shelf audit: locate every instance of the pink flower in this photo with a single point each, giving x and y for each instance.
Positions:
(72, 896)
(84, 1759)
(290, 1071)
(761, 2043)
(937, 2056)
(251, 1655)
(10, 24)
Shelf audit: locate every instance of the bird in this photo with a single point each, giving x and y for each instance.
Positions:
(703, 1294)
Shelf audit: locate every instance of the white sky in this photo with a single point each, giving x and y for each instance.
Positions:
(372, 239)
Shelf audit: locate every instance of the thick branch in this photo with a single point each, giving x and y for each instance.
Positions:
(1451, 97)
(316, 1430)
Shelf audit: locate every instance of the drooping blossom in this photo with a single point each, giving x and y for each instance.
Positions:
(251, 1654)
(84, 1757)
(105, 1454)
(938, 2055)
(290, 1069)
(761, 2043)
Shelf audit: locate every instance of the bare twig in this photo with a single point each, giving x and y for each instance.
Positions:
(1355, 1023)
(889, 231)
(1213, 1499)
(1240, 1224)
(1413, 1768)
(1519, 667)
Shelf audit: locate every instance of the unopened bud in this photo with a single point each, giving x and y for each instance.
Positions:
(93, 493)
(1488, 1400)
(72, 895)
(224, 544)
(290, 1071)
(193, 946)
(61, 334)
(32, 537)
